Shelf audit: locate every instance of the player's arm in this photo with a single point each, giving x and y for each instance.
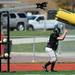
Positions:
(61, 37)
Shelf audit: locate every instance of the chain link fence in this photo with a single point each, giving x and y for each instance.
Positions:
(30, 49)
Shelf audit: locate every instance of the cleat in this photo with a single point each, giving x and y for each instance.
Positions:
(45, 68)
(53, 71)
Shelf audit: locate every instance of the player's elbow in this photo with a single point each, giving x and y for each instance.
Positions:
(60, 38)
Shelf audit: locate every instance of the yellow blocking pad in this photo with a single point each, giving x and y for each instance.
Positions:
(66, 15)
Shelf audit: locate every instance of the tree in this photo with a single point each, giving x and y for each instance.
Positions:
(67, 4)
(41, 5)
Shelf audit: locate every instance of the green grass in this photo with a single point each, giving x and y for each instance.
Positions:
(40, 73)
(30, 33)
(71, 32)
(40, 47)
(67, 46)
(36, 33)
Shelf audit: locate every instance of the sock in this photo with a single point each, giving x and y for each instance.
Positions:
(47, 64)
(52, 65)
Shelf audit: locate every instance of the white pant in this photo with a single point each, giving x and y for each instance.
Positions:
(52, 54)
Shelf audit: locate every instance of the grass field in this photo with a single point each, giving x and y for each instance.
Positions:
(40, 73)
(36, 33)
(40, 47)
(30, 33)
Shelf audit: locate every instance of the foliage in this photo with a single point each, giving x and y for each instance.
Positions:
(67, 4)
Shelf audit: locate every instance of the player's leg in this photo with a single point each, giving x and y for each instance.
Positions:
(53, 60)
(52, 66)
(46, 65)
(48, 50)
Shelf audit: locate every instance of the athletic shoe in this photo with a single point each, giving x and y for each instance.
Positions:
(53, 71)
